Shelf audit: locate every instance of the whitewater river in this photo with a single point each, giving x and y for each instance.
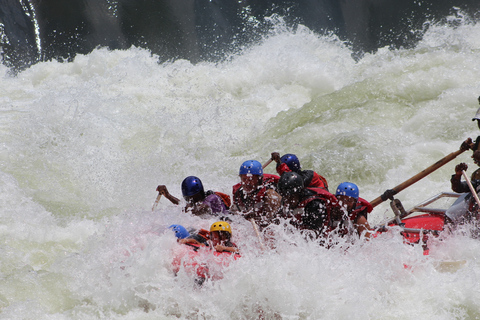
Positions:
(85, 144)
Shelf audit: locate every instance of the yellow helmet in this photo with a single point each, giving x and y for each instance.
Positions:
(221, 226)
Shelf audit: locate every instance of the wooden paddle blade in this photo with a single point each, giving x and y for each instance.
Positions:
(450, 266)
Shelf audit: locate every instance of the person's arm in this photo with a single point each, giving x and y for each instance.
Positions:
(281, 167)
(188, 240)
(457, 184)
(272, 203)
(221, 248)
(163, 190)
(468, 144)
(199, 209)
(362, 226)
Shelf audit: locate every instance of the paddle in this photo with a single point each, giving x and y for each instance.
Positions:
(267, 163)
(391, 192)
(156, 201)
(472, 189)
(255, 227)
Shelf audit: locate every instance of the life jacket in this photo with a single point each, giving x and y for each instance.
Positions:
(225, 197)
(319, 194)
(344, 227)
(201, 236)
(313, 180)
(257, 199)
(269, 181)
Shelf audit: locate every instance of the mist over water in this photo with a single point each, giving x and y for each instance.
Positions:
(84, 145)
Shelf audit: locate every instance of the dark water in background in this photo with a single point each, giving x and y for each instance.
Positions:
(199, 30)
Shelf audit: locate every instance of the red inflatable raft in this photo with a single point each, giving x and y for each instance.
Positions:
(201, 262)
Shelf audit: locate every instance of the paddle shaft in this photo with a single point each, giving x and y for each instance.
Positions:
(156, 201)
(255, 227)
(417, 177)
(472, 189)
(267, 163)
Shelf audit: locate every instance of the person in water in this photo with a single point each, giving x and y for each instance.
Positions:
(220, 237)
(184, 236)
(255, 197)
(350, 216)
(290, 163)
(309, 209)
(199, 202)
(180, 231)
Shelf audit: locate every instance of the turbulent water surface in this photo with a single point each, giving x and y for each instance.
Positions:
(84, 145)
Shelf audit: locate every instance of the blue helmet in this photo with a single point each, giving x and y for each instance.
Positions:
(291, 161)
(191, 186)
(251, 167)
(180, 231)
(347, 189)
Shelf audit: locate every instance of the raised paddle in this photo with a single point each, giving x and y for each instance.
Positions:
(267, 163)
(391, 192)
(156, 201)
(472, 189)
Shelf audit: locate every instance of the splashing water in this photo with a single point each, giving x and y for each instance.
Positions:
(84, 145)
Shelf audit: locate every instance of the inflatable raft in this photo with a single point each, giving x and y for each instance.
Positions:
(201, 262)
(424, 221)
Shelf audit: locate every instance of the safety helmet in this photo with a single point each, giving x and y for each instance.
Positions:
(251, 167)
(180, 231)
(291, 161)
(191, 186)
(221, 226)
(347, 189)
(290, 183)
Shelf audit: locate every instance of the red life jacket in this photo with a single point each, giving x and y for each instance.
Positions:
(269, 181)
(361, 206)
(257, 200)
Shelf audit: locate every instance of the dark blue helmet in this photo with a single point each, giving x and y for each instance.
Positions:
(251, 167)
(191, 186)
(347, 189)
(180, 231)
(291, 161)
